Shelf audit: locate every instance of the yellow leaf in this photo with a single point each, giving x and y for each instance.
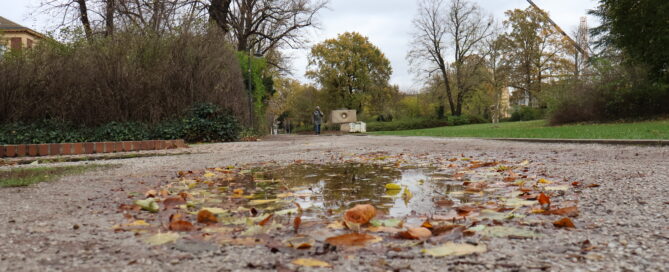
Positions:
(453, 249)
(544, 181)
(209, 174)
(261, 201)
(215, 210)
(393, 186)
(162, 238)
(138, 223)
(309, 262)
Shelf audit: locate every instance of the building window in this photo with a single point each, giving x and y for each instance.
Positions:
(3, 49)
(16, 43)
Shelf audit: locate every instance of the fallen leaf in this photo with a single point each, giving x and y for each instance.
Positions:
(209, 174)
(545, 181)
(309, 262)
(151, 193)
(453, 249)
(181, 225)
(148, 204)
(383, 229)
(464, 210)
(173, 202)
(407, 195)
(427, 224)
(568, 211)
(266, 220)
(300, 242)
(215, 210)
(564, 223)
(296, 223)
(353, 239)
(439, 230)
(162, 238)
(576, 184)
(592, 185)
(415, 234)
(256, 202)
(393, 186)
(206, 217)
(557, 188)
(360, 214)
(476, 187)
(544, 200)
(501, 231)
(386, 223)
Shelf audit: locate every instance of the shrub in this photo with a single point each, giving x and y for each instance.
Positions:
(127, 78)
(525, 113)
(209, 123)
(44, 131)
(406, 124)
(115, 131)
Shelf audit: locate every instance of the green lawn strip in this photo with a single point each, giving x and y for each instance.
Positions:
(28, 176)
(539, 129)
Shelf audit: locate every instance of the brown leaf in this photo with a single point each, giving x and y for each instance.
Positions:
(464, 210)
(564, 223)
(181, 225)
(266, 220)
(415, 234)
(475, 165)
(296, 223)
(184, 195)
(439, 230)
(206, 217)
(360, 214)
(352, 239)
(129, 207)
(593, 185)
(444, 202)
(151, 193)
(544, 200)
(568, 211)
(576, 184)
(173, 202)
(476, 187)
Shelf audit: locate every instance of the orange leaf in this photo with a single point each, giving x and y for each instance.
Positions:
(351, 239)
(296, 223)
(544, 200)
(576, 184)
(564, 223)
(206, 217)
(415, 234)
(427, 224)
(568, 211)
(151, 193)
(266, 220)
(181, 225)
(360, 214)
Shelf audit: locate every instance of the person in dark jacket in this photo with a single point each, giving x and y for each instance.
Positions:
(317, 118)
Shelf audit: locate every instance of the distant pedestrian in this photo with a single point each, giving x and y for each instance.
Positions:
(317, 117)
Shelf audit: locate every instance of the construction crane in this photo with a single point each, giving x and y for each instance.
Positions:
(576, 45)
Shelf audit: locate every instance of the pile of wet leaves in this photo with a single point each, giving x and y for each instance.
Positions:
(376, 202)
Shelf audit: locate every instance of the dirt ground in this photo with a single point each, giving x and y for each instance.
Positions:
(66, 225)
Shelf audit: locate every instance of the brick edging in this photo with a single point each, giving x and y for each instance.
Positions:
(35, 150)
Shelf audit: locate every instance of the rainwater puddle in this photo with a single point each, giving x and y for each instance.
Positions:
(337, 187)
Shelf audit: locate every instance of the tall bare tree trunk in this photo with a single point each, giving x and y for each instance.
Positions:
(83, 17)
(109, 17)
(218, 13)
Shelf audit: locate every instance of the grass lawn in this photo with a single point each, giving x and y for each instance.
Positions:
(27, 176)
(539, 129)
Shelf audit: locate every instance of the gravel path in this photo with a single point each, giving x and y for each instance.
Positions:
(66, 224)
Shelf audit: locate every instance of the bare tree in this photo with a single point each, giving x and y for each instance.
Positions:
(468, 28)
(264, 25)
(430, 44)
(459, 26)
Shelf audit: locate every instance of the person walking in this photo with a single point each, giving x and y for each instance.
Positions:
(317, 118)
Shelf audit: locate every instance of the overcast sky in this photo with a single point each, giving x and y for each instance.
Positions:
(387, 23)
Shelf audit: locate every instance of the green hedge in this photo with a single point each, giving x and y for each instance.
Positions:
(409, 124)
(201, 123)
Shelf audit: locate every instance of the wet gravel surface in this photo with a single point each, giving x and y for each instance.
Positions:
(66, 225)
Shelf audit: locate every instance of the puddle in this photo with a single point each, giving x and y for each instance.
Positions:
(338, 187)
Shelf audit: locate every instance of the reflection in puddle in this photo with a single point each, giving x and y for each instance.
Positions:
(342, 186)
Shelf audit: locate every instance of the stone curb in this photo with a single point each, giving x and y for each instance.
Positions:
(585, 141)
(38, 150)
